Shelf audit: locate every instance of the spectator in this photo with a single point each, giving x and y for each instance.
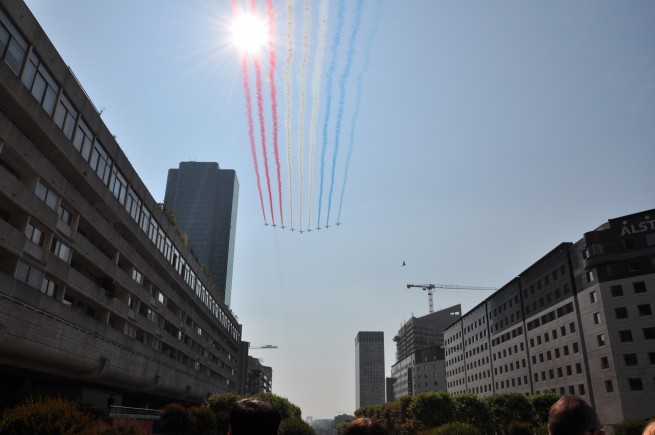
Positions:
(571, 415)
(364, 426)
(650, 428)
(253, 417)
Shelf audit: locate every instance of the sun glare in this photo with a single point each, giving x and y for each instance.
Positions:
(249, 33)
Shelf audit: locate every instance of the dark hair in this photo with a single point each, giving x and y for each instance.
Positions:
(571, 415)
(364, 426)
(254, 417)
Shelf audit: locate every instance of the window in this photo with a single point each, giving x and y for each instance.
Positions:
(100, 162)
(65, 215)
(575, 347)
(566, 349)
(49, 288)
(590, 276)
(601, 339)
(28, 274)
(593, 297)
(65, 116)
(644, 310)
(137, 276)
(596, 318)
(578, 368)
(621, 312)
(636, 384)
(12, 46)
(569, 371)
(40, 83)
(45, 194)
(649, 333)
(639, 287)
(83, 140)
(634, 265)
(604, 362)
(651, 357)
(572, 327)
(616, 290)
(608, 386)
(34, 234)
(625, 335)
(118, 185)
(60, 249)
(581, 389)
(630, 359)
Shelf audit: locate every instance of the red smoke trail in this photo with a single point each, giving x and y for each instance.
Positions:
(251, 131)
(271, 79)
(262, 128)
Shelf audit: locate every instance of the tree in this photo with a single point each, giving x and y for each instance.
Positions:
(295, 426)
(432, 409)
(45, 416)
(220, 405)
(286, 408)
(471, 410)
(175, 419)
(541, 404)
(508, 408)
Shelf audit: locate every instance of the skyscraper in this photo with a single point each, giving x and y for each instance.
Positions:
(204, 198)
(369, 368)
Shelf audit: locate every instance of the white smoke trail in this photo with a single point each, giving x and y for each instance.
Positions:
(287, 81)
(301, 117)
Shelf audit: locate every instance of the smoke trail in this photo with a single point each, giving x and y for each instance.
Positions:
(251, 130)
(342, 97)
(301, 118)
(316, 88)
(328, 102)
(262, 131)
(271, 79)
(358, 98)
(287, 81)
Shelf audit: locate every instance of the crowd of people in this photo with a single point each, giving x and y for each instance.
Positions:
(570, 415)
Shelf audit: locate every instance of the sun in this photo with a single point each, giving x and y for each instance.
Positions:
(249, 33)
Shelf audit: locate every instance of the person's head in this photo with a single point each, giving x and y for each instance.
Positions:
(254, 417)
(571, 415)
(649, 429)
(364, 426)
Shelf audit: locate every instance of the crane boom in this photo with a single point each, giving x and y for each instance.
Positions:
(430, 289)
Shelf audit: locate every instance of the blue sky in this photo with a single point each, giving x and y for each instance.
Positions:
(488, 133)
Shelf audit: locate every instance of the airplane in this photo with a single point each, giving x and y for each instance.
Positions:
(282, 227)
(292, 229)
(266, 223)
(273, 225)
(309, 230)
(301, 231)
(404, 264)
(327, 226)
(338, 223)
(318, 228)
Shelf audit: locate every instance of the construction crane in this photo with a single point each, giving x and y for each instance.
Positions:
(262, 346)
(430, 289)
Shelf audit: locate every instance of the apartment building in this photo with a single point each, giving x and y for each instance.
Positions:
(99, 296)
(577, 321)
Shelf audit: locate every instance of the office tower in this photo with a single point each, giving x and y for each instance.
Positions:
(369, 368)
(578, 321)
(419, 366)
(99, 296)
(204, 199)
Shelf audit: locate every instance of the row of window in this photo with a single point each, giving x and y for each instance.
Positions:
(36, 77)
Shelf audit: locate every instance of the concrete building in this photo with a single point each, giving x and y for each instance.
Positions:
(578, 321)
(419, 363)
(259, 377)
(204, 199)
(369, 368)
(99, 295)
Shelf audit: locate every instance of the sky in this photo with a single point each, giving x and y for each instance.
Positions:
(487, 133)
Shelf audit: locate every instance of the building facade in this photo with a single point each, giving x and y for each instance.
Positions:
(369, 368)
(99, 296)
(204, 199)
(419, 366)
(578, 321)
(259, 377)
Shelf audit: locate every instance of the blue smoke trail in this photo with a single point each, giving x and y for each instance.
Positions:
(358, 99)
(342, 97)
(328, 102)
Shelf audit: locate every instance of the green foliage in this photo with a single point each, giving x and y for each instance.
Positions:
(220, 405)
(175, 419)
(506, 408)
(541, 404)
(432, 409)
(295, 426)
(203, 420)
(542, 429)
(121, 426)
(454, 428)
(46, 416)
(630, 427)
(519, 428)
(286, 408)
(470, 409)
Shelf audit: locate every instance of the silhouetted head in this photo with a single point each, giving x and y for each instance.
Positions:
(254, 417)
(571, 415)
(364, 426)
